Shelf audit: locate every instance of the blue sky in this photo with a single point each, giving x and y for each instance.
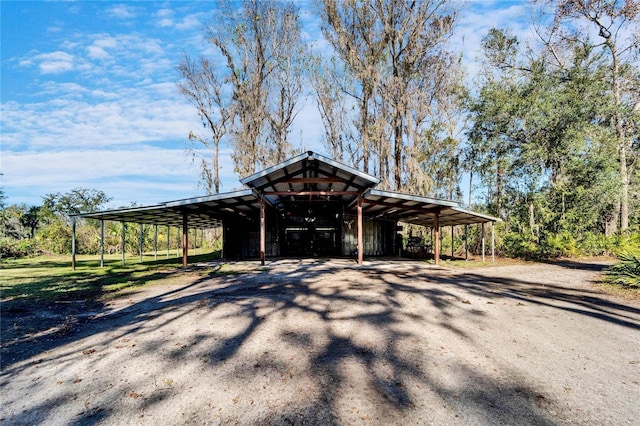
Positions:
(89, 95)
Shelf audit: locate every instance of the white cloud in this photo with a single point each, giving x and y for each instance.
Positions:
(122, 11)
(145, 174)
(95, 56)
(54, 62)
(165, 22)
(98, 49)
(166, 17)
(74, 117)
(189, 22)
(165, 13)
(97, 52)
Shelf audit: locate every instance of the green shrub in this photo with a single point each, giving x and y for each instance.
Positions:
(626, 272)
(515, 244)
(594, 244)
(560, 244)
(12, 248)
(55, 238)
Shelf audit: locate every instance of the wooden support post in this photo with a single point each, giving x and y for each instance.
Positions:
(432, 246)
(102, 243)
(360, 232)
(466, 242)
(493, 244)
(436, 238)
(124, 230)
(140, 241)
(262, 231)
(185, 240)
(155, 242)
(453, 246)
(73, 244)
(483, 242)
(202, 241)
(168, 240)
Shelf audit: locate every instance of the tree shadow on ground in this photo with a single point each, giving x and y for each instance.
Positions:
(389, 367)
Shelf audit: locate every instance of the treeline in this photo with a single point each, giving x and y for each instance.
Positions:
(546, 136)
(46, 229)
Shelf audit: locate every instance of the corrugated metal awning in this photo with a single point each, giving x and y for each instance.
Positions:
(418, 210)
(203, 212)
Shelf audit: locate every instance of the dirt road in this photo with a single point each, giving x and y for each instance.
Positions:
(328, 342)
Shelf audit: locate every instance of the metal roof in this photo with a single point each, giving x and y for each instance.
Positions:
(204, 212)
(418, 210)
(306, 174)
(303, 177)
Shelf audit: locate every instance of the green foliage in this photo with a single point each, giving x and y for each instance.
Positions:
(562, 244)
(78, 200)
(626, 272)
(55, 238)
(520, 242)
(12, 248)
(544, 147)
(521, 245)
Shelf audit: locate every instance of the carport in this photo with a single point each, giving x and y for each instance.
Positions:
(309, 205)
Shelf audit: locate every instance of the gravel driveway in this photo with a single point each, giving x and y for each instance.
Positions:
(328, 342)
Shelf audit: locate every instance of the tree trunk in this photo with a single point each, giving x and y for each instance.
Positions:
(620, 139)
(365, 133)
(216, 166)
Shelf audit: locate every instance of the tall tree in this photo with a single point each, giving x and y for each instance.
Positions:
(78, 200)
(537, 127)
(259, 45)
(357, 36)
(204, 89)
(285, 85)
(394, 50)
(617, 23)
(414, 32)
(329, 84)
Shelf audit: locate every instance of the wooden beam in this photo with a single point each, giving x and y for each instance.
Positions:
(453, 246)
(311, 180)
(360, 231)
(404, 207)
(436, 238)
(185, 240)
(466, 242)
(73, 244)
(304, 193)
(102, 243)
(482, 242)
(140, 241)
(493, 244)
(262, 231)
(168, 240)
(155, 242)
(124, 230)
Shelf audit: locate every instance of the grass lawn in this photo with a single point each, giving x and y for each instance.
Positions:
(49, 279)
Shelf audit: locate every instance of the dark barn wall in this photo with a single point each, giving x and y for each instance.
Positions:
(242, 236)
(379, 236)
(310, 229)
(289, 233)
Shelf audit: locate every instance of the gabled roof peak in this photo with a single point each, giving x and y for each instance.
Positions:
(308, 165)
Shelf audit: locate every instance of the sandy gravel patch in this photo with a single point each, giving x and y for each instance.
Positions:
(328, 342)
